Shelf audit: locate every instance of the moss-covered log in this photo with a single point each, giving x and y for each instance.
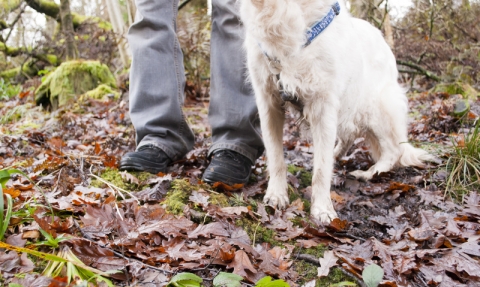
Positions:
(13, 52)
(29, 69)
(9, 5)
(52, 10)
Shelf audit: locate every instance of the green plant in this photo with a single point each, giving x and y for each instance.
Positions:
(4, 220)
(185, 280)
(463, 165)
(75, 269)
(25, 213)
(267, 282)
(224, 279)
(50, 240)
(372, 275)
(5, 175)
(7, 90)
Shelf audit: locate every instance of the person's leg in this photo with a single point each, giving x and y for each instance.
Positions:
(233, 113)
(157, 81)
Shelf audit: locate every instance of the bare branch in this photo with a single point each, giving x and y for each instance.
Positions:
(419, 69)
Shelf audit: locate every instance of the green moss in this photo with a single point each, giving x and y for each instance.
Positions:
(258, 232)
(219, 199)
(101, 93)
(464, 89)
(114, 177)
(177, 196)
(73, 78)
(335, 276)
(10, 5)
(304, 177)
(52, 59)
(294, 195)
(28, 69)
(308, 271)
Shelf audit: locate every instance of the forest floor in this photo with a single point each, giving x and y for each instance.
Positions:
(151, 227)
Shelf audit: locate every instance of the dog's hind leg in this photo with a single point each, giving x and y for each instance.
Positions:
(323, 123)
(387, 131)
(388, 152)
(342, 146)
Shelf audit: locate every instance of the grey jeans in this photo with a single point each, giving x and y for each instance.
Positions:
(157, 82)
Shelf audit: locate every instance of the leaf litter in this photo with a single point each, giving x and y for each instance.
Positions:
(400, 221)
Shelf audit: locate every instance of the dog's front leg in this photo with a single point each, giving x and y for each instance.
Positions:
(272, 118)
(323, 123)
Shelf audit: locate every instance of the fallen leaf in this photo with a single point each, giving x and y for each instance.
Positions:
(328, 261)
(211, 229)
(129, 177)
(241, 263)
(338, 225)
(224, 186)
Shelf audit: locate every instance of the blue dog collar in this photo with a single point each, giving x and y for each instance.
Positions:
(321, 25)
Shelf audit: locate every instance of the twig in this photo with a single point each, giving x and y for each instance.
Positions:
(314, 260)
(255, 234)
(349, 274)
(309, 258)
(349, 236)
(15, 22)
(421, 70)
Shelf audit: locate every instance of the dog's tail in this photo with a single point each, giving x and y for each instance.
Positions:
(412, 156)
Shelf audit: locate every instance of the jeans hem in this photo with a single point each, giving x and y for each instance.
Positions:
(170, 152)
(246, 151)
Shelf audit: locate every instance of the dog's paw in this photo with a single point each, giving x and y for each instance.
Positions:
(324, 215)
(276, 199)
(361, 175)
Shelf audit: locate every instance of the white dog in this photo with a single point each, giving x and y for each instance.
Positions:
(344, 80)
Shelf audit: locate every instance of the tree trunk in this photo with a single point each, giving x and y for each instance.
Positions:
(131, 10)
(119, 28)
(67, 28)
(387, 26)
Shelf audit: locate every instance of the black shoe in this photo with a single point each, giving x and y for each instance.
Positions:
(147, 158)
(228, 167)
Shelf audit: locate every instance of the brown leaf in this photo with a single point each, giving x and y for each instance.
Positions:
(224, 186)
(338, 225)
(180, 251)
(328, 261)
(14, 193)
(472, 246)
(241, 263)
(227, 253)
(237, 210)
(109, 161)
(405, 263)
(400, 186)
(214, 228)
(307, 243)
(97, 149)
(16, 240)
(270, 264)
(31, 234)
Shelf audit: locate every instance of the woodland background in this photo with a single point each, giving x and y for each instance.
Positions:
(68, 217)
